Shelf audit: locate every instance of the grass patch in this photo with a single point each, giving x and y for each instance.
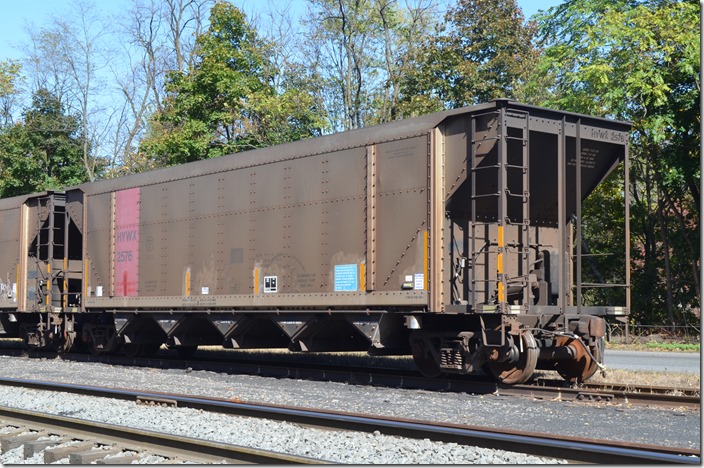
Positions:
(674, 346)
(656, 346)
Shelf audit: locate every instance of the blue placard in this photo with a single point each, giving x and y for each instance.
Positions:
(346, 277)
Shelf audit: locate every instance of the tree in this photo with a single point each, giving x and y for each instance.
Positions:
(292, 80)
(159, 37)
(185, 20)
(404, 31)
(227, 102)
(362, 50)
(43, 152)
(9, 79)
(65, 58)
(485, 53)
(342, 40)
(638, 60)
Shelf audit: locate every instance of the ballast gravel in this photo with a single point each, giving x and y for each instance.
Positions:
(332, 446)
(614, 422)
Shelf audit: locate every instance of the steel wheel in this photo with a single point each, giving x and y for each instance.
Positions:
(517, 372)
(582, 367)
(94, 349)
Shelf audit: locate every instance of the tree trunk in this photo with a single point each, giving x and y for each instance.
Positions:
(666, 258)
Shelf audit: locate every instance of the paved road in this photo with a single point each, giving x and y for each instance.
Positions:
(653, 361)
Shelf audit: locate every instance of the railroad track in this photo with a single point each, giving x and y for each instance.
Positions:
(82, 442)
(395, 378)
(576, 449)
(618, 393)
(613, 393)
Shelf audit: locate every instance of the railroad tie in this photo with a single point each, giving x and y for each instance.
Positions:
(13, 433)
(57, 453)
(9, 442)
(85, 457)
(33, 447)
(124, 458)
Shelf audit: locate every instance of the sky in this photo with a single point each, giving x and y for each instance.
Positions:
(17, 14)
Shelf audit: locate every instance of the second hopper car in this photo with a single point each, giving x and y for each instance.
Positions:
(449, 237)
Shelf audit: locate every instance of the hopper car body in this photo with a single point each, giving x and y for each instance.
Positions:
(449, 237)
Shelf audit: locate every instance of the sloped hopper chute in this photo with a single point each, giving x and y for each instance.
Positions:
(550, 143)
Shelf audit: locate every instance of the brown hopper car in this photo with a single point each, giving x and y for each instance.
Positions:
(454, 237)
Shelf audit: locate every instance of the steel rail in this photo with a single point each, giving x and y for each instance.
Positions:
(615, 392)
(653, 389)
(167, 444)
(557, 446)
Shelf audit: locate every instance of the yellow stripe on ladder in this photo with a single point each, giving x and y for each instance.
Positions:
(64, 298)
(500, 265)
(48, 285)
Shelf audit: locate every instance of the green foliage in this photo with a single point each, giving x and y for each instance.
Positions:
(227, 102)
(638, 61)
(9, 73)
(362, 50)
(9, 80)
(673, 346)
(631, 54)
(487, 53)
(345, 39)
(603, 239)
(44, 152)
